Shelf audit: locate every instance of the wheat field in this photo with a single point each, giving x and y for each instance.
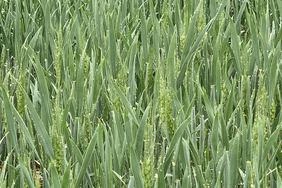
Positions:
(141, 93)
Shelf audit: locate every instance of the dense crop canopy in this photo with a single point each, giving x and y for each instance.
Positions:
(136, 93)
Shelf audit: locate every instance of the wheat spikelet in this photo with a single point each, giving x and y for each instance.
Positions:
(57, 139)
(148, 171)
(148, 161)
(202, 19)
(20, 94)
(86, 63)
(261, 106)
(166, 111)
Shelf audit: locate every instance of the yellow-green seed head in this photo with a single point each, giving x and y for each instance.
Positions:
(166, 111)
(148, 172)
(57, 138)
(86, 63)
(202, 17)
(20, 94)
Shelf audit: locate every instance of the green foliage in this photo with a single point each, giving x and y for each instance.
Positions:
(134, 93)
